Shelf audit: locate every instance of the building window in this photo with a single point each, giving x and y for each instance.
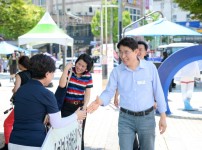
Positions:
(42, 2)
(134, 18)
(138, 12)
(174, 18)
(81, 30)
(175, 5)
(162, 5)
(134, 13)
(188, 17)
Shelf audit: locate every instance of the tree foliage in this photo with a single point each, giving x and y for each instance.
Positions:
(193, 6)
(112, 15)
(18, 17)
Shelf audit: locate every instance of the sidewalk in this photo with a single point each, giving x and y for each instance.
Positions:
(184, 131)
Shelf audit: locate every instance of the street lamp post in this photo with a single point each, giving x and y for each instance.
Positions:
(106, 41)
(120, 23)
(120, 19)
(101, 34)
(63, 27)
(101, 31)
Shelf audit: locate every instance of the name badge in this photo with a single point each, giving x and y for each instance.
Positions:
(141, 82)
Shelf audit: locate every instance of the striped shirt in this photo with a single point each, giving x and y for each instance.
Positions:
(77, 86)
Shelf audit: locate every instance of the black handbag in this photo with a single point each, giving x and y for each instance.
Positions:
(61, 92)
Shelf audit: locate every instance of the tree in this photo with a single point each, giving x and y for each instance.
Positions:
(193, 6)
(112, 15)
(18, 17)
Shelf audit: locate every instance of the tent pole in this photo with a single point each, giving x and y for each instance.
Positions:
(72, 50)
(64, 49)
(51, 48)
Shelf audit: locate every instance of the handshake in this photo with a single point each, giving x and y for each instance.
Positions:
(81, 112)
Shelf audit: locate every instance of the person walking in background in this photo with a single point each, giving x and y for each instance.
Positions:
(20, 79)
(172, 85)
(186, 77)
(79, 87)
(133, 78)
(143, 47)
(5, 65)
(32, 103)
(12, 63)
(165, 55)
(1, 64)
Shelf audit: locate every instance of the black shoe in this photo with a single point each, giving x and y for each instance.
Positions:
(5, 147)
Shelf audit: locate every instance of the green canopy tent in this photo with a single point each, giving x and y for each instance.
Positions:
(46, 31)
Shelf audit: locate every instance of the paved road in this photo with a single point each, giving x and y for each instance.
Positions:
(184, 130)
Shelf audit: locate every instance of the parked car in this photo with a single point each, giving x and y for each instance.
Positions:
(59, 63)
(174, 47)
(96, 60)
(169, 49)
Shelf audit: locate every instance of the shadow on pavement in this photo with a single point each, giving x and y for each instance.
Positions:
(89, 148)
(184, 117)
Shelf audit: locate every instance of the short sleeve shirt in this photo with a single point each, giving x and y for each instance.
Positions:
(77, 86)
(25, 76)
(32, 102)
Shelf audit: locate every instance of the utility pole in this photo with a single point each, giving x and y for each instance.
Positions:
(58, 14)
(101, 30)
(58, 23)
(106, 25)
(120, 22)
(120, 18)
(63, 27)
(143, 10)
(106, 40)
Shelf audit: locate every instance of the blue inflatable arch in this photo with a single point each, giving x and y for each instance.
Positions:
(174, 63)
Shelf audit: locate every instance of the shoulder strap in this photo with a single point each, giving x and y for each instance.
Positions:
(70, 74)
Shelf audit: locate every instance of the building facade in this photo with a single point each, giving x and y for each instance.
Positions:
(75, 16)
(174, 13)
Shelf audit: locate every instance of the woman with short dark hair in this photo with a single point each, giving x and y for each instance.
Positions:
(32, 102)
(79, 87)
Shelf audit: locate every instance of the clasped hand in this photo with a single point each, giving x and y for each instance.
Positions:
(81, 113)
(94, 105)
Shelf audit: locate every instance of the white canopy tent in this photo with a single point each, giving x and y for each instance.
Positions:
(46, 31)
(6, 48)
(161, 27)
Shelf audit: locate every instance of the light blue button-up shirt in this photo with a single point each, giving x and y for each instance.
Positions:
(137, 88)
